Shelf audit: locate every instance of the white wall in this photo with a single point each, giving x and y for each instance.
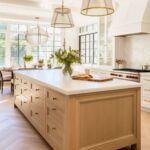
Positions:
(137, 50)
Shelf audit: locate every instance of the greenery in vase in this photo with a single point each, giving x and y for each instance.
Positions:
(41, 61)
(67, 58)
(28, 58)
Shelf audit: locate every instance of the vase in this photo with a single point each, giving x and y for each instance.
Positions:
(67, 69)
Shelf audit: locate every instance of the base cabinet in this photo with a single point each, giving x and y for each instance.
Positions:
(96, 121)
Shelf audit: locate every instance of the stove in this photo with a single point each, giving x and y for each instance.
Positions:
(128, 74)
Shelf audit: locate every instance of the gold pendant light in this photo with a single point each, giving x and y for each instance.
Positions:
(97, 7)
(62, 18)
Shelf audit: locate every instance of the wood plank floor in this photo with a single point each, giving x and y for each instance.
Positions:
(17, 134)
(15, 131)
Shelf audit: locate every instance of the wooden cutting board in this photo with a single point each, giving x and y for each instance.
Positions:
(100, 78)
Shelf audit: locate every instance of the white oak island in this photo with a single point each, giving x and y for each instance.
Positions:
(80, 115)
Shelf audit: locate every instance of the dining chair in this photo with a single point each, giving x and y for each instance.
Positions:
(5, 76)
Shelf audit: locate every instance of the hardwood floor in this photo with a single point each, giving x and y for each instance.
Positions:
(15, 131)
(17, 134)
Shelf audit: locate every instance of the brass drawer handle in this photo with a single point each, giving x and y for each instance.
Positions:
(37, 89)
(54, 109)
(37, 97)
(25, 89)
(36, 113)
(54, 98)
(53, 128)
(25, 83)
(24, 102)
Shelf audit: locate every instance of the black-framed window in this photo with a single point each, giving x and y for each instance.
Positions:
(88, 48)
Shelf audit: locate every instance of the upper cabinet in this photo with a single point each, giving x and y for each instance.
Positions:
(131, 17)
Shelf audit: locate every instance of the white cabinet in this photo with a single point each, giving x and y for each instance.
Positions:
(145, 91)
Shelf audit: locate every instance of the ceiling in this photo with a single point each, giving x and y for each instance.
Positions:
(26, 10)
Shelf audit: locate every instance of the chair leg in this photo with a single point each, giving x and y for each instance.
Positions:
(2, 87)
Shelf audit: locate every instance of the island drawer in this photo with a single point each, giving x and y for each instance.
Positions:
(54, 136)
(17, 90)
(56, 98)
(26, 83)
(56, 116)
(37, 90)
(146, 101)
(37, 100)
(18, 80)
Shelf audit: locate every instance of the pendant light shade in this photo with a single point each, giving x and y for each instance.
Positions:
(37, 36)
(97, 7)
(62, 18)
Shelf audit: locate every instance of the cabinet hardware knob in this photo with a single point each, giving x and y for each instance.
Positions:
(53, 109)
(37, 89)
(25, 83)
(54, 98)
(37, 97)
(53, 128)
(24, 102)
(25, 89)
(36, 113)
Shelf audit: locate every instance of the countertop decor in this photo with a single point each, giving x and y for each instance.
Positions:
(67, 58)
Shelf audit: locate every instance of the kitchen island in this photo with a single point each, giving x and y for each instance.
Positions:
(80, 115)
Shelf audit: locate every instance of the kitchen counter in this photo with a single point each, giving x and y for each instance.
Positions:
(80, 115)
(55, 79)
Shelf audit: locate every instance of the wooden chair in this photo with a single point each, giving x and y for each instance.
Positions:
(5, 76)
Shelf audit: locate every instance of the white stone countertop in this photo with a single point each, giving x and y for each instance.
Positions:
(55, 80)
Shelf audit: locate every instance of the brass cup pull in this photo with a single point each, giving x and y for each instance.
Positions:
(37, 97)
(54, 109)
(37, 89)
(53, 128)
(36, 113)
(25, 89)
(24, 102)
(25, 83)
(54, 98)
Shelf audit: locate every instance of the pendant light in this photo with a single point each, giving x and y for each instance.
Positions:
(62, 17)
(37, 36)
(97, 7)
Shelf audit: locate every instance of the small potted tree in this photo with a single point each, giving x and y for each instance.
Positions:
(40, 63)
(27, 59)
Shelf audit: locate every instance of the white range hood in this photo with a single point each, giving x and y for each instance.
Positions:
(131, 17)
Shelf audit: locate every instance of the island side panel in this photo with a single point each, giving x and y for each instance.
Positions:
(105, 120)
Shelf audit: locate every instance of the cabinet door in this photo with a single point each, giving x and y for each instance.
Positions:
(38, 118)
(54, 136)
(18, 101)
(25, 107)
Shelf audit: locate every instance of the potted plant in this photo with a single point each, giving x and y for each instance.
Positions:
(40, 63)
(27, 59)
(67, 58)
